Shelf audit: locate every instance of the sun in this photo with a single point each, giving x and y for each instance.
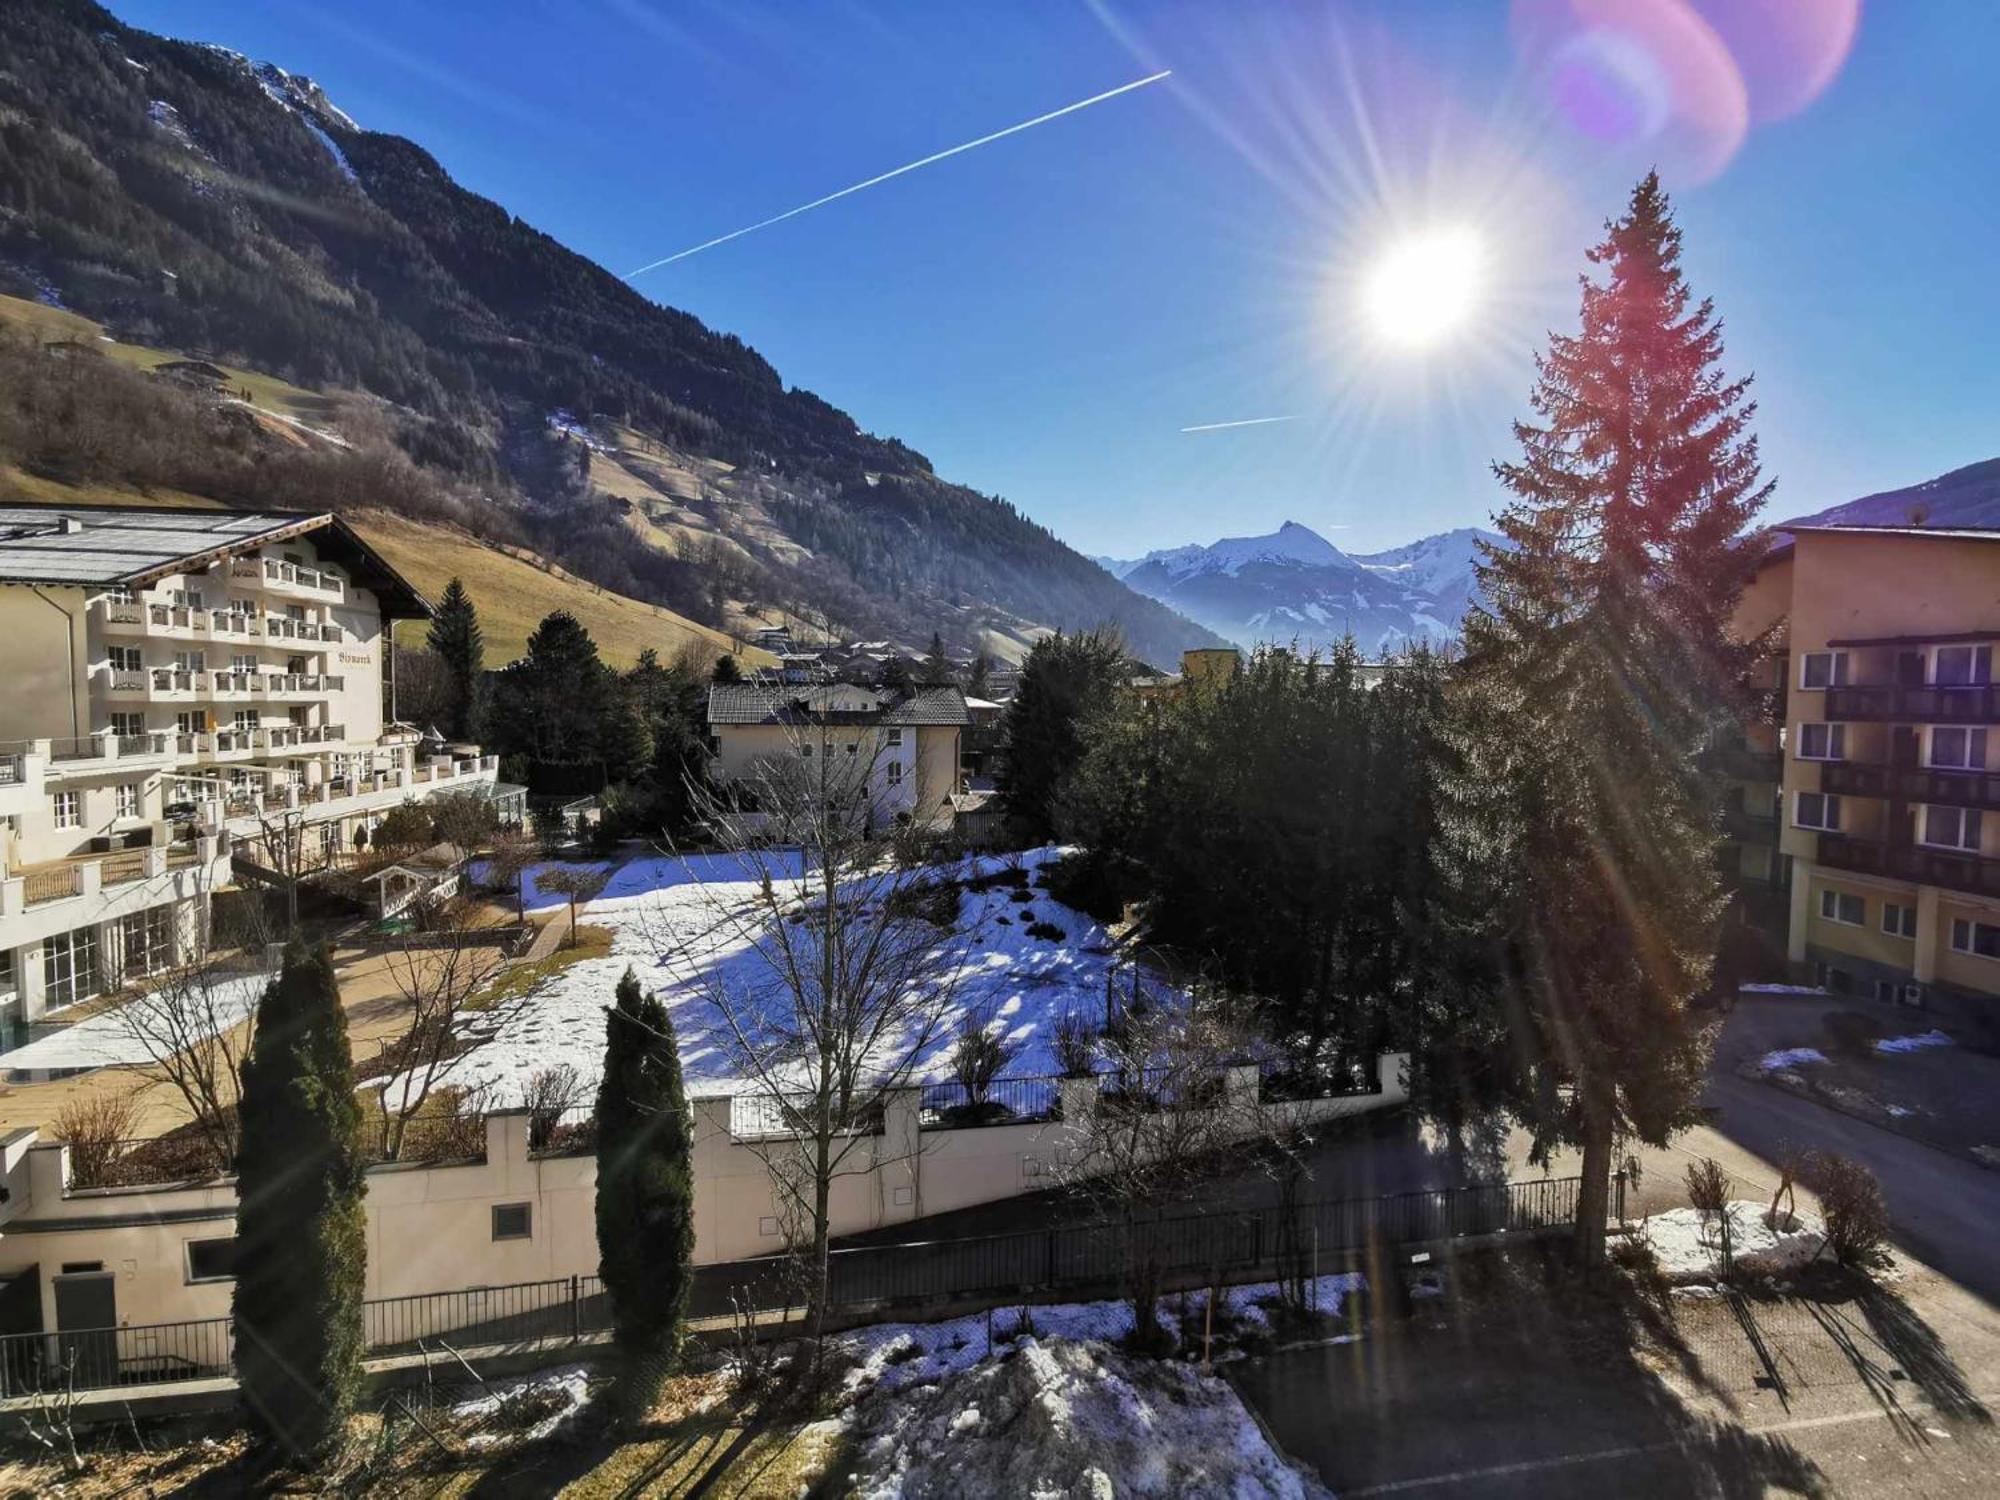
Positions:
(1424, 288)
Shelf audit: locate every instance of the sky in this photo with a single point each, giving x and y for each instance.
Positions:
(1045, 314)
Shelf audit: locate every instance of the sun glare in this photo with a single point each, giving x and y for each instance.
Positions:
(1424, 288)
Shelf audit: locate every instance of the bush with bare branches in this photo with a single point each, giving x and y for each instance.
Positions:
(97, 1127)
(1851, 1204)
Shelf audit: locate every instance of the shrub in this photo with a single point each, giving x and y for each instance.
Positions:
(96, 1128)
(1850, 1201)
(1851, 1033)
(1089, 885)
(1708, 1191)
(1047, 931)
(978, 1056)
(1075, 1045)
(550, 1094)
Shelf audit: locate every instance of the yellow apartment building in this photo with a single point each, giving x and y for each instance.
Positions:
(894, 757)
(1888, 807)
(175, 685)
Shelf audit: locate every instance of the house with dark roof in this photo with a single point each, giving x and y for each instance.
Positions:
(893, 757)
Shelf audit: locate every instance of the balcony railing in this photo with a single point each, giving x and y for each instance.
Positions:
(1915, 863)
(1848, 778)
(1914, 704)
(1749, 827)
(273, 571)
(1952, 788)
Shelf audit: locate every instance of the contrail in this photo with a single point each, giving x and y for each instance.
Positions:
(1246, 422)
(984, 140)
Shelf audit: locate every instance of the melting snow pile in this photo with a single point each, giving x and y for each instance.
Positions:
(1688, 1246)
(1048, 1409)
(546, 1402)
(1918, 1043)
(1788, 1058)
(1061, 1418)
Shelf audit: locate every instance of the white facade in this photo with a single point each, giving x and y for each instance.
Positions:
(149, 727)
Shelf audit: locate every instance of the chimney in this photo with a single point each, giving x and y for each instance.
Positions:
(70, 526)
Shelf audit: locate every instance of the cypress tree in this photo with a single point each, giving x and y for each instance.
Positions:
(645, 1193)
(301, 1235)
(456, 641)
(1579, 831)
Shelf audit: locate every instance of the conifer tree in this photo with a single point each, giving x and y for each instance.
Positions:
(726, 670)
(1065, 680)
(645, 1193)
(456, 641)
(980, 683)
(1578, 831)
(937, 664)
(301, 1228)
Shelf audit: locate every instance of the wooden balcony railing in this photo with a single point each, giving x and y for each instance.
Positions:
(1915, 863)
(1914, 704)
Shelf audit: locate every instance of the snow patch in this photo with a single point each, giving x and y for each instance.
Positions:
(1789, 1057)
(1688, 1247)
(1919, 1043)
(1780, 989)
(662, 915)
(566, 1391)
(108, 1039)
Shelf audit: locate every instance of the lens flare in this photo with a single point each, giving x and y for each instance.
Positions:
(1424, 288)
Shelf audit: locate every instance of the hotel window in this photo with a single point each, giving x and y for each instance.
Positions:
(243, 661)
(129, 799)
(893, 737)
(126, 725)
(1899, 920)
(1951, 827)
(211, 1260)
(513, 1221)
(149, 940)
(246, 720)
(1977, 938)
(191, 661)
(1823, 669)
(190, 721)
(1822, 742)
(1818, 810)
(1962, 666)
(1958, 749)
(127, 659)
(1839, 906)
(69, 967)
(187, 598)
(68, 809)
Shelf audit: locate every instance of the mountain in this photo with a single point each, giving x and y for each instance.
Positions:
(1295, 585)
(1964, 497)
(192, 200)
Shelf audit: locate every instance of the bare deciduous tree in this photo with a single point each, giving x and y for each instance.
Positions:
(1158, 1133)
(438, 973)
(191, 1027)
(511, 854)
(828, 984)
(583, 884)
(96, 1128)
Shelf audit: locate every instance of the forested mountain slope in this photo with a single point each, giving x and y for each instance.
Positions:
(196, 201)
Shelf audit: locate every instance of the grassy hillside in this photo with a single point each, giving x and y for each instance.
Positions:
(515, 590)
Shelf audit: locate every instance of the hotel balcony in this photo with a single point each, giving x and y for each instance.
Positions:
(1894, 704)
(179, 685)
(1916, 863)
(39, 901)
(142, 619)
(287, 578)
(86, 755)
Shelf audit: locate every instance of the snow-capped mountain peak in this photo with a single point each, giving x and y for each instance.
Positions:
(1294, 586)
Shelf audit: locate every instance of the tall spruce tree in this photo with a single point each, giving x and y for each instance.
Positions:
(456, 641)
(645, 1193)
(301, 1229)
(937, 664)
(1579, 832)
(1065, 681)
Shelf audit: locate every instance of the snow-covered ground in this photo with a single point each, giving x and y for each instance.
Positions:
(111, 1038)
(1918, 1043)
(1689, 1249)
(663, 913)
(1048, 1408)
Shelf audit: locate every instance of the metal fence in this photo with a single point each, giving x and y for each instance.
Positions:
(1233, 1246)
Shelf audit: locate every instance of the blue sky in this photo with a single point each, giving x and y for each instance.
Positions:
(1042, 316)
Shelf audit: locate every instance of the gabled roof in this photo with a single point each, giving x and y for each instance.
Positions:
(91, 546)
(831, 703)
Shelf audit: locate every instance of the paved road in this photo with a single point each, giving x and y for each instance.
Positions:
(1946, 1209)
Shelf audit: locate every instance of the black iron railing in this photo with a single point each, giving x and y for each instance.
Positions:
(1234, 1245)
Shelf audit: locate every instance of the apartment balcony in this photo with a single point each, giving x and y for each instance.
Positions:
(274, 685)
(1914, 704)
(1748, 827)
(1980, 789)
(92, 754)
(1917, 864)
(1849, 778)
(300, 737)
(41, 900)
(287, 578)
(284, 628)
(1733, 758)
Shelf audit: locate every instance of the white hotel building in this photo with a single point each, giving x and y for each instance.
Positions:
(175, 684)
